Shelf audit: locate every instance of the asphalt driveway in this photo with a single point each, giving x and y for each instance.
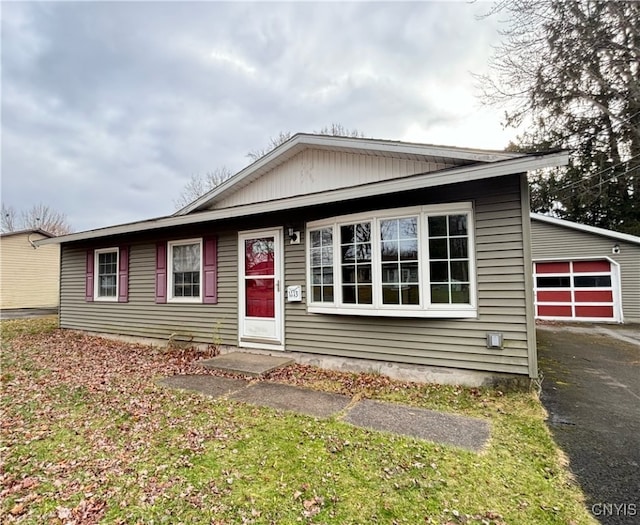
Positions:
(591, 389)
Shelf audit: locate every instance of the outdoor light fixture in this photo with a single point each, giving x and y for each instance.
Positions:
(616, 249)
(494, 340)
(294, 236)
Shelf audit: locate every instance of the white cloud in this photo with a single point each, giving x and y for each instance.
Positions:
(109, 108)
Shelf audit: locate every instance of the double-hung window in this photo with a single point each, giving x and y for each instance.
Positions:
(185, 270)
(106, 274)
(413, 262)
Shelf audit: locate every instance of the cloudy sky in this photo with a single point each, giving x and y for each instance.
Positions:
(109, 108)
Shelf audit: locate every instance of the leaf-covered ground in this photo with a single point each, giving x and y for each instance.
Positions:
(88, 436)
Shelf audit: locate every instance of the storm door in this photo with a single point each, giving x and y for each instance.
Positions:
(260, 289)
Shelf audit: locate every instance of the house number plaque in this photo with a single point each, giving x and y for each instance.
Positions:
(294, 294)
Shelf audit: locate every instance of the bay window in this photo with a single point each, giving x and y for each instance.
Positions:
(414, 262)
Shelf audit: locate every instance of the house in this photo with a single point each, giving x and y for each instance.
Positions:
(584, 273)
(29, 277)
(409, 259)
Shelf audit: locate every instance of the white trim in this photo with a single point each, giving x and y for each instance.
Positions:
(96, 275)
(439, 178)
(425, 308)
(583, 227)
(170, 290)
(277, 342)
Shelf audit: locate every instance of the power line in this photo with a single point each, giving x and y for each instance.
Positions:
(591, 175)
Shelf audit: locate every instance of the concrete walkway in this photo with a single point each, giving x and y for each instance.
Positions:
(449, 429)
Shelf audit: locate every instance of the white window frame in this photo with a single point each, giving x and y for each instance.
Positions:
(96, 275)
(425, 308)
(170, 289)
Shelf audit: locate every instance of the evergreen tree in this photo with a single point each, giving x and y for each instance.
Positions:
(569, 71)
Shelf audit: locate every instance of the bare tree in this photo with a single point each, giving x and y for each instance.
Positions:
(198, 185)
(39, 216)
(335, 130)
(274, 142)
(9, 218)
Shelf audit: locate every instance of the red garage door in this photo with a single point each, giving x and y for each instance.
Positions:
(576, 290)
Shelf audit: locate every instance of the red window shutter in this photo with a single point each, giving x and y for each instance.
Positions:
(161, 272)
(123, 275)
(88, 293)
(209, 267)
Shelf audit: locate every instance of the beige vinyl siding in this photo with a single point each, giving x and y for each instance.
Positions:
(141, 316)
(314, 170)
(550, 241)
(459, 343)
(30, 278)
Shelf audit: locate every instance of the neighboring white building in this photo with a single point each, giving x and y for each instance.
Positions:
(29, 277)
(584, 273)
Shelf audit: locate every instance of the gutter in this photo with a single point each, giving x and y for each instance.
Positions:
(412, 182)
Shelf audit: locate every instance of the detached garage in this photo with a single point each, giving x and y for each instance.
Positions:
(584, 273)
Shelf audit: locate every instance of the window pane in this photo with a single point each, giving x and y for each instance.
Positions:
(186, 258)
(316, 257)
(107, 286)
(315, 239)
(316, 275)
(440, 293)
(349, 294)
(457, 225)
(363, 252)
(327, 275)
(391, 294)
(437, 226)
(460, 271)
(439, 272)
(327, 236)
(458, 248)
(409, 250)
(260, 298)
(348, 253)
(363, 232)
(410, 294)
(317, 294)
(553, 282)
(258, 256)
(585, 281)
(348, 274)
(389, 251)
(364, 273)
(390, 273)
(346, 234)
(409, 272)
(327, 256)
(408, 228)
(388, 230)
(459, 293)
(364, 294)
(438, 249)
(327, 295)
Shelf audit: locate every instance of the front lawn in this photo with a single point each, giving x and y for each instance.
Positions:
(89, 437)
